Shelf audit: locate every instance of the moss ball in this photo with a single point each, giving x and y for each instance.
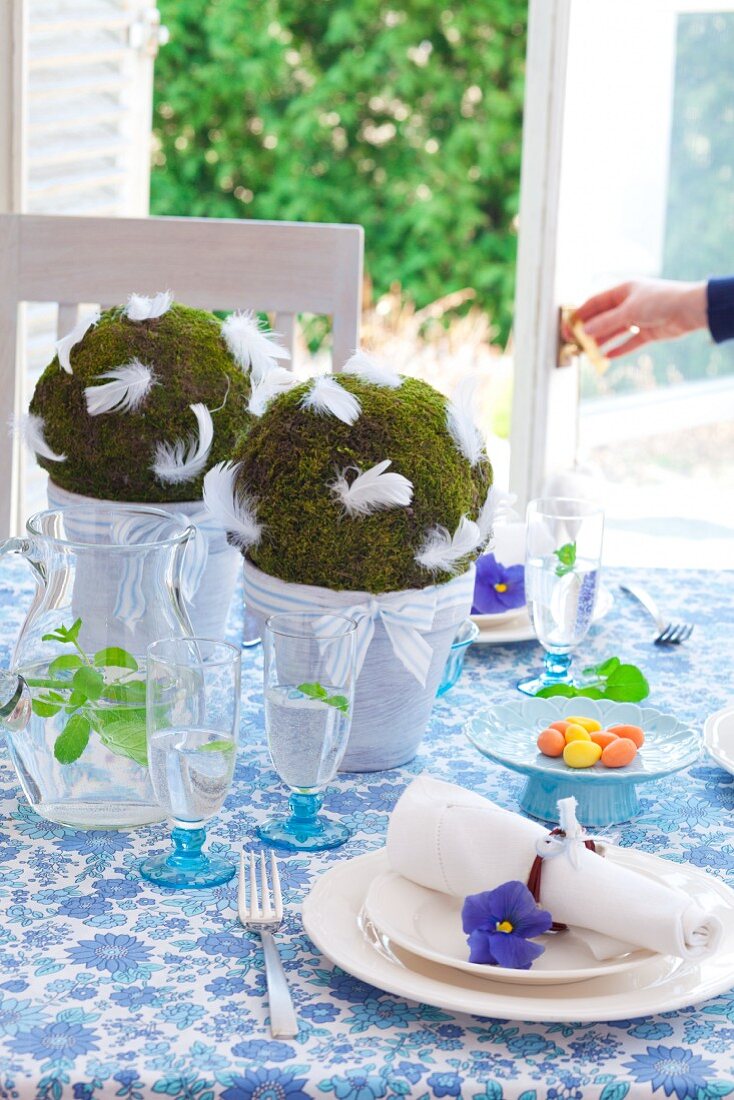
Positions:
(292, 455)
(110, 455)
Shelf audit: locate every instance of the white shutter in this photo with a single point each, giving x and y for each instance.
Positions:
(79, 77)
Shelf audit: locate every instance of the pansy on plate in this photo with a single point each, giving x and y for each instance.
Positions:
(497, 587)
(500, 924)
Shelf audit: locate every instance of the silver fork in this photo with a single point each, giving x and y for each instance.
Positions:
(264, 915)
(669, 633)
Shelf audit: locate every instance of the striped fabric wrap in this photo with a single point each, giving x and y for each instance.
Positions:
(406, 616)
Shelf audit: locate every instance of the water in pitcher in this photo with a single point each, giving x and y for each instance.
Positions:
(307, 737)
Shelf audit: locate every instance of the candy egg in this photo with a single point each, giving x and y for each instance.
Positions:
(562, 726)
(603, 738)
(619, 753)
(590, 724)
(581, 754)
(551, 742)
(634, 733)
(575, 732)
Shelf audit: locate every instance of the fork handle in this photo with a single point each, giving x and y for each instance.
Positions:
(647, 602)
(283, 1021)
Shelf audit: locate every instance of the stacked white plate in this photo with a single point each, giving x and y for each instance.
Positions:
(407, 940)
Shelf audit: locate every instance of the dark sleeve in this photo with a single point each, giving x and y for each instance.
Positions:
(720, 298)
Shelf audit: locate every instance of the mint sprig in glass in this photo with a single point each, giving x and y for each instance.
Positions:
(562, 571)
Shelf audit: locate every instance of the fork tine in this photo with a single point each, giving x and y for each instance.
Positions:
(664, 636)
(254, 903)
(277, 896)
(266, 907)
(241, 895)
(688, 630)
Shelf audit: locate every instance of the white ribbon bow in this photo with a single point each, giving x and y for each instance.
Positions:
(405, 619)
(575, 836)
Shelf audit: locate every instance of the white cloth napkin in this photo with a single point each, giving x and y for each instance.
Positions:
(454, 841)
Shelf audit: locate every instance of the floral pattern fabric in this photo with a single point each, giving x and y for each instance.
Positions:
(110, 987)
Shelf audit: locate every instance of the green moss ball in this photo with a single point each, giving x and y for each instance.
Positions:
(292, 454)
(109, 456)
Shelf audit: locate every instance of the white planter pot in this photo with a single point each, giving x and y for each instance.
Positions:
(208, 593)
(392, 706)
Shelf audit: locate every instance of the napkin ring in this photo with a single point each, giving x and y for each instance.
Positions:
(535, 876)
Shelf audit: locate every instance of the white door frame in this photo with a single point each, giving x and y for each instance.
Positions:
(543, 434)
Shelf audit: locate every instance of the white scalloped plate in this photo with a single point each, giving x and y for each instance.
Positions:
(718, 737)
(333, 916)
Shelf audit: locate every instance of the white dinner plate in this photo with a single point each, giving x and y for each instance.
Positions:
(718, 737)
(501, 630)
(428, 923)
(334, 918)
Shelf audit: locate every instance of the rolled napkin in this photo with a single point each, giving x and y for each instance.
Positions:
(452, 840)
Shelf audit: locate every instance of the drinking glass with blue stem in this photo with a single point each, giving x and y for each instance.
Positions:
(309, 681)
(562, 569)
(192, 718)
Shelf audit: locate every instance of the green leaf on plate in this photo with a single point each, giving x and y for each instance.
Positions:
(114, 657)
(626, 684)
(556, 689)
(73, 739)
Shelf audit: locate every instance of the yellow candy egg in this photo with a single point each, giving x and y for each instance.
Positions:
(581, 754)
(589, 724)
(574, 732)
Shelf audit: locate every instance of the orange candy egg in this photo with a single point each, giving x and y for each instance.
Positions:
(602, 738)
(551, 742)
(560, 725)
(634, 733)
(619, 753)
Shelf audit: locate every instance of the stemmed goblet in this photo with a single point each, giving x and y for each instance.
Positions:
(309, 695)
(192, 717)
(562, 568)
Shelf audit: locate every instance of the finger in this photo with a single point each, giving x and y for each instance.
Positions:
(601, 303)
(607, 325)
(632, 344)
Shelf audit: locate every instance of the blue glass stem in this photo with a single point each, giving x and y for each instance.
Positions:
(304, 813)
(557, 668)
(187, 845)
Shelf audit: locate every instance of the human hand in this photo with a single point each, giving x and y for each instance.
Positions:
(645, 310)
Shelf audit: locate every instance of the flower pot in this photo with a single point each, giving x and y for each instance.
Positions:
(210, 570)
(403, 640)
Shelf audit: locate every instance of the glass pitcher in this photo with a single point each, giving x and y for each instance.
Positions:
(108, 582)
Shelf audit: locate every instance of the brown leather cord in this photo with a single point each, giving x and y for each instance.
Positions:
(535, 873)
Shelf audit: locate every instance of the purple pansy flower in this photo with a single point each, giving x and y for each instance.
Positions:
(497, 587)
(499, 924)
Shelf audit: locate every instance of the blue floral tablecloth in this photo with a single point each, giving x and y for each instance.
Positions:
(109, 987)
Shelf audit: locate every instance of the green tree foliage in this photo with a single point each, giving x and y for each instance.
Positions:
(405, 117)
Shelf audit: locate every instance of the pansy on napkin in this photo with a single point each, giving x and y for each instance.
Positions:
(501, 924)
(497, 587)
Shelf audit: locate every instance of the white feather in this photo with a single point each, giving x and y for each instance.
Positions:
(125, 392)
(369, 370)
(31, 428)
(279, 380)
(231, 508)
(498, 505)
(372, 490)
(460, 420)
(77, 334)
(186, 458)
(442, 552)
(327, 396)
(140, 308)
(253, 347)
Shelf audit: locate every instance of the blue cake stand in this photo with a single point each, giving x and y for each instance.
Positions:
(507, 733)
